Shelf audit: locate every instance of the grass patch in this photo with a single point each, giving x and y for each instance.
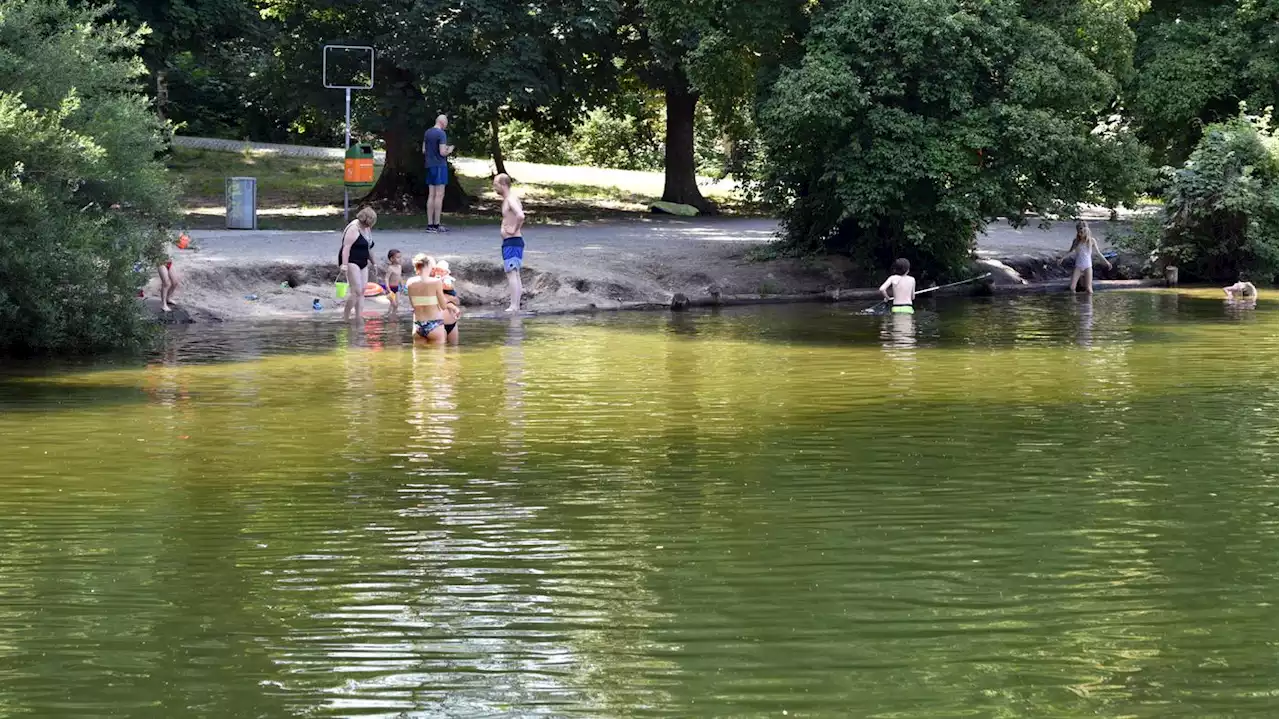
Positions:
(306, 193)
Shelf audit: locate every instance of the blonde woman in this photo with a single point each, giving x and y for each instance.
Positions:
(1082, 249)
(354, 258)
(427, 297)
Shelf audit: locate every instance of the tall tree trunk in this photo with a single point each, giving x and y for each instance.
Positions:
(680, 182)
(495, 146)
(402, 185)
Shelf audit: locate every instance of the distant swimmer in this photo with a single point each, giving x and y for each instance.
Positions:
(1082, 248)
(512, 241)
(900, 288)
(1242, 290)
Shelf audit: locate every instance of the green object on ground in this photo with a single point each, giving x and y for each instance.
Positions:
(1056, 506)
(674, 208)
(357, 168)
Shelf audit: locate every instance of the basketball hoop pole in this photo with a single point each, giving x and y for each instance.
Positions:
(346, 194)
(347, 88)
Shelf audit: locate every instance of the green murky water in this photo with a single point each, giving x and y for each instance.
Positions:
(1042, 507)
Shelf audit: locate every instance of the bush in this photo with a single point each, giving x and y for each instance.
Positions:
(83, 197)
(624, 142)
(908, 124)
(522, 143)
(1220, 209)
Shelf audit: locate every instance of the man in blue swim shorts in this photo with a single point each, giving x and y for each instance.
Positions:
(512, 241)
(435, 149)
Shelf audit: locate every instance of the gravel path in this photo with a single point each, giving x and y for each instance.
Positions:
(713, 238)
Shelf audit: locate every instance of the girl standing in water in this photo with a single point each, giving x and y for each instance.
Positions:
(1082, 249)
(427, 297)
(354, 257)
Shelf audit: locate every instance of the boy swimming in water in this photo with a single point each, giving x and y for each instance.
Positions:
(900, 288)
(393, 280)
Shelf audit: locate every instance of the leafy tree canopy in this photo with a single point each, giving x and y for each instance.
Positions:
(908, 124)
(83, 196)
(1196, 61)
(1221, 208)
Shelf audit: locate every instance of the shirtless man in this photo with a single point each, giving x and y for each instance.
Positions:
(512, 242)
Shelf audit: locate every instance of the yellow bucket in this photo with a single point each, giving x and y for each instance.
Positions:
(341, 288)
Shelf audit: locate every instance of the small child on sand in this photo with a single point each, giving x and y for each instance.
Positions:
(900, 288)
(393, 279)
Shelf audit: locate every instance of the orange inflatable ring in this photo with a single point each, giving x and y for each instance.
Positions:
(372, 289)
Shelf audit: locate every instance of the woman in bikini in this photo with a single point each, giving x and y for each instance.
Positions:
(427, 297)
(354, 258)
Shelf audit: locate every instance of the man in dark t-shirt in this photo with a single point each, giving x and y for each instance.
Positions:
(435, 149)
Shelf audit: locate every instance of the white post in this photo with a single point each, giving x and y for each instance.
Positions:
(346, 194)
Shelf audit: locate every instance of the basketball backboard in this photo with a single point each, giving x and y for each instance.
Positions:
(348, 67)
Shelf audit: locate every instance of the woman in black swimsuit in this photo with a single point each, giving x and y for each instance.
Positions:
(354, 258)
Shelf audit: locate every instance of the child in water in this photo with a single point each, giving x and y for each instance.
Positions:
(453, 311)
(1083, 247)
(900, 288)
(1242, 290)
(393, 280)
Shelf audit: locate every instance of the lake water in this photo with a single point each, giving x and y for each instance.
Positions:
(996, 508)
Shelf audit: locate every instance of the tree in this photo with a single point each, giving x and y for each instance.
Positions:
(474, 61)
(178, 27)
(908, 124)
(85, 201)
(695, 50)
(1196, 61)
(542, 63)
(1219, 217)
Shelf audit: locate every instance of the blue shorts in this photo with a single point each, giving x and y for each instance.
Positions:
(438, 175)
(512, 254)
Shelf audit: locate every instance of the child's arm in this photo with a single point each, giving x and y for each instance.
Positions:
(885, 286)
(1098, 249)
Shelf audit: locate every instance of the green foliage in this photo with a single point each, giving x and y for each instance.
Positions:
(83, 196)
(615, 138)
(910, 123)
(624, 142)
(1221, 208)
(522, 142)
(1196, 60)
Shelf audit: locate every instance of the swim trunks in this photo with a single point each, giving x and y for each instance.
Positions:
(438, 175)
(393, 289)
(512, 254)
(449, 328)
(424, 329)
(903, 310)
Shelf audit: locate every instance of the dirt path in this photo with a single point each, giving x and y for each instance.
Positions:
(604, 265)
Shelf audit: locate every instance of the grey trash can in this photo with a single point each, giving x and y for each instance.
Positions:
(242, 203)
